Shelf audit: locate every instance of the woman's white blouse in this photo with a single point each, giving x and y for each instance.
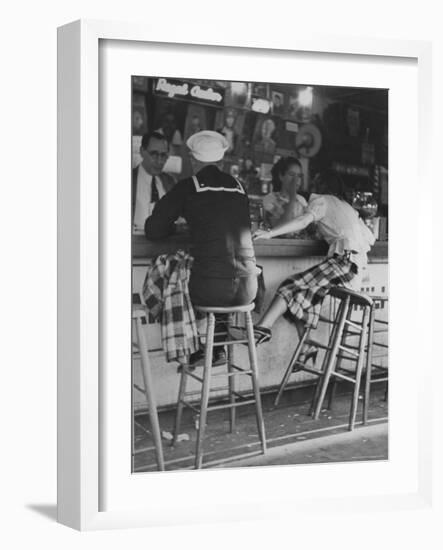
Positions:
(341, 227)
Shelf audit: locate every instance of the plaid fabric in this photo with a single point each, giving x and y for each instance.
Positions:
(304, 292)
(165, 291)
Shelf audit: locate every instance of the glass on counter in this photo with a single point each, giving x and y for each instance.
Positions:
(365, 203)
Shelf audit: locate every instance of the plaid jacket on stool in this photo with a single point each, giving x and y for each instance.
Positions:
(166, 294)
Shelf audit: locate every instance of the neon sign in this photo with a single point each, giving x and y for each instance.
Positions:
(183, 90)
(171, 89)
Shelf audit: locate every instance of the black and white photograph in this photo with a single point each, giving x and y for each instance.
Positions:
(259, 276)
(193, 375)
(278, 103)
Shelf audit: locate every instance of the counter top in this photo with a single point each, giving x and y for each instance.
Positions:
(298, 248)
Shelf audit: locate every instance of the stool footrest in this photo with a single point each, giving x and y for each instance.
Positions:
(230, 405)
(139, 388)
(349, 349)
(346, 357)
(239, 395)
(354, 325)
(211, 390)
(143, 450)
(194, 376)
(231, 342)
(349, 333)
(187, 404)
(310, 342)
(343, 376)
(307, 369)
(240, 371)
(241, 401)
(141, 427)
(381, 379)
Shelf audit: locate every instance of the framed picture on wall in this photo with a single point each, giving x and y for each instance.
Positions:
(98, 484)
(139, 115)
(278, 103)
(140, 83)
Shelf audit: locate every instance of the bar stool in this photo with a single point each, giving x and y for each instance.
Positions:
(140, 352)
(376, 327)
(235, 399)
(337, 349)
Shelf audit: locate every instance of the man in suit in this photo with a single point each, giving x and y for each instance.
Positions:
(149, 183)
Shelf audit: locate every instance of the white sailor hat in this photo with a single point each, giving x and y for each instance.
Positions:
(207, 146)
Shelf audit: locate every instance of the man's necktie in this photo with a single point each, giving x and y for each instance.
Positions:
(154, 191)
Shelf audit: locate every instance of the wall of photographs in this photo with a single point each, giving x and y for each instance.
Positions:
(346, 128)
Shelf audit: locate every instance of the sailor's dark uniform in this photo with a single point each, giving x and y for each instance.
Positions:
(216, 209)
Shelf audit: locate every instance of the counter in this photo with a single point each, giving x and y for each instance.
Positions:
(279, 259)
(143, 249)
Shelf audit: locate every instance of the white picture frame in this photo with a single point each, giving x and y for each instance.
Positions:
(80, 444)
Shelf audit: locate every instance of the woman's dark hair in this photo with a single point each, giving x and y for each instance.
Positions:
(331, 183)
(280, 168)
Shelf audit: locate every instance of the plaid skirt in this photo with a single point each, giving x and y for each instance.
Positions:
(304, 292)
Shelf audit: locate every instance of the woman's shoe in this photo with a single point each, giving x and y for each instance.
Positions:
(197, 359)
(262, 334)
(311, 355)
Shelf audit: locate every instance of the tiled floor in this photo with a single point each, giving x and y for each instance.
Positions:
(292, 436)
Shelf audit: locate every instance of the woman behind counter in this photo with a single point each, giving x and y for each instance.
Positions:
(284, 203)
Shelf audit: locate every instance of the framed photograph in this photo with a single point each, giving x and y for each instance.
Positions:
(102, 262)
(140, 83)
(278, 103)
(139, 116)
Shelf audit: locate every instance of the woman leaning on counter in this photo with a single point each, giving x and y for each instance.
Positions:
(284, 203)
(300, 296)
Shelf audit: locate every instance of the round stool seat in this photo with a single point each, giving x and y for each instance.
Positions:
(230, 309)
(357, 298)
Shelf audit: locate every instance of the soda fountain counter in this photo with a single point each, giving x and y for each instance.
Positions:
(279, 258)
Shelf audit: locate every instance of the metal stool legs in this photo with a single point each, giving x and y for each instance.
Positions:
(368, 367)
(253, 363)
(231, 371)
(148, 390)
(338, 346)
(359, 368)
(180, 404)
(330, 359)
(291, 367)
(234, 398)
(205, 390)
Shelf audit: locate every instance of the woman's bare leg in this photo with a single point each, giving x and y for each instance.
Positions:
(275, 310)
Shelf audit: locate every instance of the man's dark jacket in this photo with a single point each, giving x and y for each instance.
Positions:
(216, 209)
(167, 180)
